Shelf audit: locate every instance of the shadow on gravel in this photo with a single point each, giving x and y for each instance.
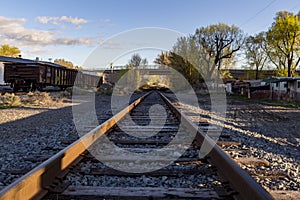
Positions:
(37, 136)
(273, 133)
(49, 119)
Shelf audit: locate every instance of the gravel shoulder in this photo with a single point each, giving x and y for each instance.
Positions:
(268, 133)
(31, 134)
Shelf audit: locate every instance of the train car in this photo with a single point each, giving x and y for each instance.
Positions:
(30, 75)
(38, 75)
(85, 80)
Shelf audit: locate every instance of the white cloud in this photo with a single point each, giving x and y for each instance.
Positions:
(13, 32)
(8, 21)
(45, 20)
(75, 21)
(108, 44)
(63, 19)
(69, 41)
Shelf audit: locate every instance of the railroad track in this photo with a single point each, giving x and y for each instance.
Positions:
(150, 159)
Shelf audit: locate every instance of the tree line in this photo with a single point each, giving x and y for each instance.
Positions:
(213, 49)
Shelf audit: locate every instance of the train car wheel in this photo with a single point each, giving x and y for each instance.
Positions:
(32, 87)
(26, 89)
(62, 88)
(39, 87)
(15, 87)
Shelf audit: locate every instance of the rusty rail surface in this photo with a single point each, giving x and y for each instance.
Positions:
(238, 178)
(34, 184)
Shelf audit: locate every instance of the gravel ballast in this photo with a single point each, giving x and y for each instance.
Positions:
(267, 132)
(30, 134)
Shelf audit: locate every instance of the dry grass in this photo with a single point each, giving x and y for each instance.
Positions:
(9, 100)
(39, 98)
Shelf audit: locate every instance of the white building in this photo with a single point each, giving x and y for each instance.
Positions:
(282, 83)
(295, 85)
(284, 88)
(280, 86)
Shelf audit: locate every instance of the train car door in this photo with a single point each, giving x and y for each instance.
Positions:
(48, 75)
(57, 80)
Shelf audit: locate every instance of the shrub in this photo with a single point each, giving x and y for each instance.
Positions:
(38, 98)
(9, 100)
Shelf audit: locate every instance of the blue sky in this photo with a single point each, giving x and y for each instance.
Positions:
(73, 29)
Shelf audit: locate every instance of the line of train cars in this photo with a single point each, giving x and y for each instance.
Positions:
(31, 75)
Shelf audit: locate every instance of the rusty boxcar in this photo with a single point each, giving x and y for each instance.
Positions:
(38, 75)
(84, 80)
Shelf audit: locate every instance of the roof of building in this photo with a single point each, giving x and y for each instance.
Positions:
(280, 79)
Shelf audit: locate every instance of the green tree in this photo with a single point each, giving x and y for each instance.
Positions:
(255, 53)
(180, 64)
(283, 42)
(185, 67)
(220, 41)
(187, 48)
(133, 76)
(281, 72)
(195, 59)
(210, 49)
(10, 51)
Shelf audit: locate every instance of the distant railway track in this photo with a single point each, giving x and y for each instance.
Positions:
(54, 178)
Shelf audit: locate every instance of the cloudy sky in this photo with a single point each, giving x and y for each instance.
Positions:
(73, 29)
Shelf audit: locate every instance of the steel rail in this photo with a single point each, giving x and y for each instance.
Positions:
(35, 184)
(238, 178)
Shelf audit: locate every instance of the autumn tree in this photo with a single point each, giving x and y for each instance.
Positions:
(65, 63)
(10, 51)
(255, 52)
(283, 42)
